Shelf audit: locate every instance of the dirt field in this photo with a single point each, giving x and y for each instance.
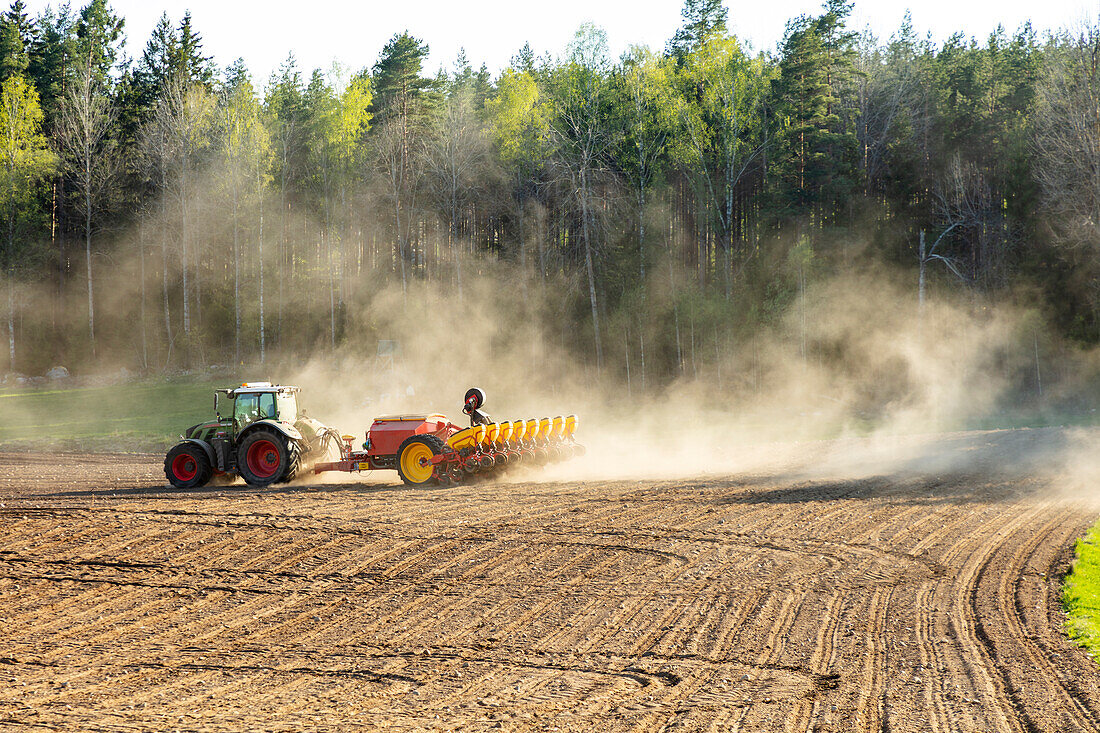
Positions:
(906, 601)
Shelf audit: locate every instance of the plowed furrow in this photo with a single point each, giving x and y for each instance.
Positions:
(806, 711)
(978, 658)
(1070, 703)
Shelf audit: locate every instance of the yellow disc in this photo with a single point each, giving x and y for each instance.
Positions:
(416, 463)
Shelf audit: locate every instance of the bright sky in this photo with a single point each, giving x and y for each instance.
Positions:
(320, 32)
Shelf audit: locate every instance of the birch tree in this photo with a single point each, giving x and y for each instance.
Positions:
(91, 159)
(455, 154)
(583, 139)
(176, 138)
(245, 150)
(519, 123)
(1068, 139)
(726, 135)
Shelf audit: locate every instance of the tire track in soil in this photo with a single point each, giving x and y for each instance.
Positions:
(926, 612)
(979, 662)
(806, 710)
(870, 711)
(1073, 705)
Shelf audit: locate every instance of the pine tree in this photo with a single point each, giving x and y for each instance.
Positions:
(16, 36)
(403, 101)
(190, 63)
(818, 152)
(400, 92)
(51, 52)
(524, 60)
(703, 19)
(100, 40)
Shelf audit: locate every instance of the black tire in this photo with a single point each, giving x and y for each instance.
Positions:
(187, 467)
(266, 457)
(409, 474)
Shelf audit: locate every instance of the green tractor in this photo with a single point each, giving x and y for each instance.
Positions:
(263, 437)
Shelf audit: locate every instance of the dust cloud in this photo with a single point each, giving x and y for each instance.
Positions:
(856, 380)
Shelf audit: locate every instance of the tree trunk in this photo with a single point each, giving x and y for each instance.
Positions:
(283, 247)
(261, 276)
(164, 283)
(452, 237)
(522, 251)
(641, 233)
(400, 242)
(326, 243)
(11, 318)
(590, 270)
(920, 277)
(141, 253)
(236, 277)
(675, 303)
(183, 261)
(88, 262)
(626, 351)
(56, 240)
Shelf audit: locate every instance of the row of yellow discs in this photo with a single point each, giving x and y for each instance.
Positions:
(516, 434)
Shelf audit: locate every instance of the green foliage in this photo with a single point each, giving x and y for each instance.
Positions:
(1081, 594)
(50, 54)
(519, 119)
(25, 162)
(241, 132)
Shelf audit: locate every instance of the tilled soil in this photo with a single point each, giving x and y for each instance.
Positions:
(908, 601)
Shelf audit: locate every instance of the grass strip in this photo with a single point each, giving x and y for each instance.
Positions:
(1081, 594)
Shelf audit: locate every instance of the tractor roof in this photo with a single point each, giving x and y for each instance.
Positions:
(258, 387)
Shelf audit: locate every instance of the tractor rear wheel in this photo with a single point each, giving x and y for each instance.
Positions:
(187, 466)
(266, 457)
(414, 459)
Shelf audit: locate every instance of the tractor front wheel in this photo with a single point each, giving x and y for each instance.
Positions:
(414, 459)
(267, 457)
(187, 466)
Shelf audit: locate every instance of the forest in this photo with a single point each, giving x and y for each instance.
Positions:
(648, 212)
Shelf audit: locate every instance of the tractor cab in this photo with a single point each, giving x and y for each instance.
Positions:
(254, 401)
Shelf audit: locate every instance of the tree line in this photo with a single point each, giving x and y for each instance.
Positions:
(662, 205)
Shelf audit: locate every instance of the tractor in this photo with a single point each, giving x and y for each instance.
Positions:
(263, 437)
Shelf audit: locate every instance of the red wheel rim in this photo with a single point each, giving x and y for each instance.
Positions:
(185, 467)
(263, 459)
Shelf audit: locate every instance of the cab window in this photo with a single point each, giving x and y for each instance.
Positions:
(288, 406)
(255, 406)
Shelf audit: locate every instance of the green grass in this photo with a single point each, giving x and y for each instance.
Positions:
(1081, 594)
(140, 416)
